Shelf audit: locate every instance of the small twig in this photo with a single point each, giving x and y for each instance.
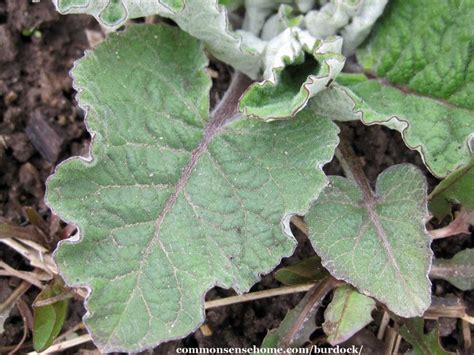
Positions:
(27, 276)
(398, 341)
(35, 219)
(65, 344)
(390, 341)
(25, 311)
(62, 296)
(28, 233)
(466, 334)
(468, 319)
(383, 325)
(14, 296)
(24, 317)
(67, 333)
(449, 307)
(252, 296)
(344, 164)
(34, 253)
(460, 225)
(6, 349)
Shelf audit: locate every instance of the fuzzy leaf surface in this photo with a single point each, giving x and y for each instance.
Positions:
(203, 19)
(348, 312)
(173, 202)
(374, 239)
(420, 83)
(457, 188)
(442, 134)
(459, 270)
(434, 62)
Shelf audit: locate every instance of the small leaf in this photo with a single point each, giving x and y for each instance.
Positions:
(459, 270)
(291, 79)
(423, 344)
(458, 187)
(348, 312)
(48, 320)
(172, 202)
(307, 270)
(374, 239)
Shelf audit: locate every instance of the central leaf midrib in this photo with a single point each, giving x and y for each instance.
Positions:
(370, 203)
(343, 311)
(219, 118)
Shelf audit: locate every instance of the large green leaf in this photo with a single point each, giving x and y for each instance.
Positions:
(172, 203)
(420, 81)
(441, 133)
(377, 241)
(421, 48)
(458, 188)
(348, 312)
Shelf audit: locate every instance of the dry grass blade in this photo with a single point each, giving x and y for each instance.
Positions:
(25, 315)
(32, 277)
(15, 295)
(28, 233)
(67, 344)
(257, 295)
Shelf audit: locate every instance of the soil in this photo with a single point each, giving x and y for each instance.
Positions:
(41, 125)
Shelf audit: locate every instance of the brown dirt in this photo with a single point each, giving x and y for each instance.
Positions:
(41, 125)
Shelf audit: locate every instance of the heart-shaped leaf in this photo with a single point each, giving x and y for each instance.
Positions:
(172, 202)
(374, 239)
